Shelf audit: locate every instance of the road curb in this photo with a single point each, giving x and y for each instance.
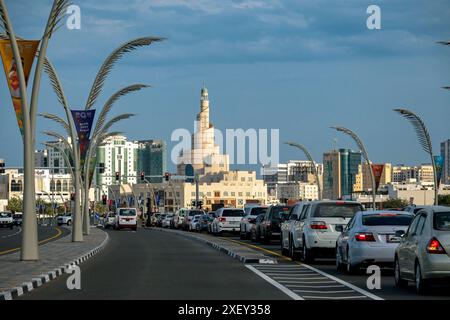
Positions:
(50, 275)
(242, 258)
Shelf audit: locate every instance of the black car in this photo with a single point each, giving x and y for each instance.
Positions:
(17, 219)
(271, 224)
(255, 232)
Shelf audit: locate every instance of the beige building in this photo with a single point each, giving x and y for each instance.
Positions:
(232, 189)
(297, 191)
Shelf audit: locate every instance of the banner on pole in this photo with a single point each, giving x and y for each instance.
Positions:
(377, 170)
(27, 49)
(83, 120)
(439, 163)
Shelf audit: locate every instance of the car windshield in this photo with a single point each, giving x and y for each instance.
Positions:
(387, 219)
(127, 212)
(281, 212)
(5, 214)
(337, 210)
(195, 212)
(232, 213)
(257, 211)
(442, 221)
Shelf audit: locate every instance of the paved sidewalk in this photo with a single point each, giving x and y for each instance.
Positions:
(235, 250)
(17, 277)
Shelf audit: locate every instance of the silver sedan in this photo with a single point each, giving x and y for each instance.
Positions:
(424, 252)
(370, 238)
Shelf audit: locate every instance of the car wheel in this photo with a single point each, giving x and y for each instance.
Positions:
(292, 253)
(307, 255)
(351, 268)
(421, 283)
(399, 282)
(241, 234)
(339, 264)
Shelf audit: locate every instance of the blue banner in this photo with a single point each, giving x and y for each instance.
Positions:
(439, 163)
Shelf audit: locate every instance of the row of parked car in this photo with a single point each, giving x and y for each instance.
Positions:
(415, 241)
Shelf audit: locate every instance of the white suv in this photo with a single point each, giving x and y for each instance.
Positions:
(64, 219)
(227, 219)
(250, 218)
(6, 220)
(311, 228)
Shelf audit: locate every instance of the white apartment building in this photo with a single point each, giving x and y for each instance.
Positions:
(119, 155)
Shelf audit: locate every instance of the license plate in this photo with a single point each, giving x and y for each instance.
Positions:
(391, 238)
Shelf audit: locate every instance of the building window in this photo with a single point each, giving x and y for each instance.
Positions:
(225, 193)
(217, 194)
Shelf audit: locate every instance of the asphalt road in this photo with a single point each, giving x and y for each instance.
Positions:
(388, 290)
(11, 240)
(149, 264)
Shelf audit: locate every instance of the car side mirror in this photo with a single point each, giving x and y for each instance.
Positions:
(400, 233)
(339, 228)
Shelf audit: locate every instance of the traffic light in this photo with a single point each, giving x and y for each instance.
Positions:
(104, 199)
(101, 167)
(117, 175)
(72, 197)
(167, 176)
(2, 166)
(142, 176)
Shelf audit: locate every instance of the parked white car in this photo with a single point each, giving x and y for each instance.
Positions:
(126, 218)
(109, 220)
(194, 221)
(423, 255)
(178, 219)
(227, 219)
(6, 220)
(370, 238)
(311, 228)
(166, 223)
(250, 214)
(64, 219)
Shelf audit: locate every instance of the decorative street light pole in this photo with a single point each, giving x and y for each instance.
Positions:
(361, 147)
(30, 250)
(425, 142)
(310, 159)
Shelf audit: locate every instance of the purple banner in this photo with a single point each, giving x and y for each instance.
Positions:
(83, 120)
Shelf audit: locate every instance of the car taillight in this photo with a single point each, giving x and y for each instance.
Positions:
(318, 225)
(435, 247)
(221, 219)
(364, 236)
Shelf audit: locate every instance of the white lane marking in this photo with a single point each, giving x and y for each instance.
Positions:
(351, 286)
(279, 286)
(12, 235)
(307, 282)
(299, 278)
(334, 298)
(318, 287)
(324, 291)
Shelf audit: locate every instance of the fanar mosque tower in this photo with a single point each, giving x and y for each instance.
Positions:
(204, 155)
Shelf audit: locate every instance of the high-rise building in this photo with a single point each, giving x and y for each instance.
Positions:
(152, 159)
(55, 160)
(204, 154)
(41, 158)
(340, 173)
(445, 153)
(292, 171)
(118, 155)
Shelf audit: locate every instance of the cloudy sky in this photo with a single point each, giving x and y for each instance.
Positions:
(296, 65)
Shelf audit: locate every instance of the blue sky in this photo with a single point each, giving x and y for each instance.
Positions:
(300, 66)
